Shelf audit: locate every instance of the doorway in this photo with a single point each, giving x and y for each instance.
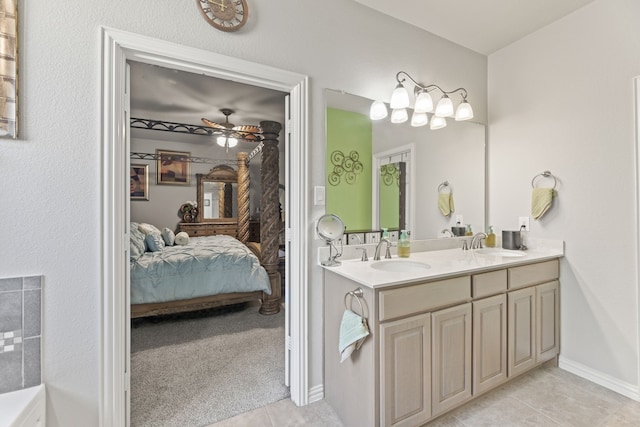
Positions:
(117, 48)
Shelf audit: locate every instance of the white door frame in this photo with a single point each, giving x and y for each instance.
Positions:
(117, 48)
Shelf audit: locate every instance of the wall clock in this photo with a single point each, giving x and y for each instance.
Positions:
(225, 15)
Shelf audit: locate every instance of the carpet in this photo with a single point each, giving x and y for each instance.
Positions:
(196, 370)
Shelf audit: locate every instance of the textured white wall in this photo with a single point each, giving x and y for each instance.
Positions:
(56, 162)
(562, 100)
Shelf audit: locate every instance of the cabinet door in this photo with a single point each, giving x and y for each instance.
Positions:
(451, 359)
(521, 330)
(489, 342)
(547, 321)
(405, 380)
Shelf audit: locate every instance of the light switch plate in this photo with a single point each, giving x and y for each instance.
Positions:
(460, 220)
(393, 236)
(523, 220)
(372, 237)
(319, 195)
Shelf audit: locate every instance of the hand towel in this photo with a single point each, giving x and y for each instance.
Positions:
(353, 331)
(445, 203)
(541, 199)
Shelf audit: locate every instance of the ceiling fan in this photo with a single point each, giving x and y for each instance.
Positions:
(232, 133)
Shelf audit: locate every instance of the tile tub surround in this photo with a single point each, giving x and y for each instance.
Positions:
(20, 332)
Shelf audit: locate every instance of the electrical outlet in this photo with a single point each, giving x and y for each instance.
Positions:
(460, 220)
(523, 220)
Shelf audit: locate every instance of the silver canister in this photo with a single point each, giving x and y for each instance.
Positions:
(511, 239)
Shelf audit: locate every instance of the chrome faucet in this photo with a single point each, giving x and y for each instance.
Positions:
(476, 240)
(376, 256)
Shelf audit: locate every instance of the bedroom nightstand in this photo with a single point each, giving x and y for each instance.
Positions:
(198, 229)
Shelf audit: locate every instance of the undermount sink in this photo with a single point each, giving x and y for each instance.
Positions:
(400, 265)
(500, 252)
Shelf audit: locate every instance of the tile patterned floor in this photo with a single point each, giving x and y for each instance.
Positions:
(548, 396)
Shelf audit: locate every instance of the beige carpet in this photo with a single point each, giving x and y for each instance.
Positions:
(194, 371)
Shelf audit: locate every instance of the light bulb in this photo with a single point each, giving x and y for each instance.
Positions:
(419, 119)
(378, 110)
(232, 142)
(437, 122)
(399, 97)
(424, 103)
(221, 141)
(444, 107)
(464, 111)
(399, 115)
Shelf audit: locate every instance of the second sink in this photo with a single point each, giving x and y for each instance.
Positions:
(400, 265)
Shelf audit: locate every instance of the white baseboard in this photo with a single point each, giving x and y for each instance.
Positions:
(629, 390)
(316, 393)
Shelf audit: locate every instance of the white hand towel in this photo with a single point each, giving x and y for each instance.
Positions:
(353, 331)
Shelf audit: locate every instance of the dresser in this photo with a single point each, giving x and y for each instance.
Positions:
(198, 229)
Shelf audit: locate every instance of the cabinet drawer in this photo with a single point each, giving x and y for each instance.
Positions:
(487, 284)
(423, 297)
(532, 274)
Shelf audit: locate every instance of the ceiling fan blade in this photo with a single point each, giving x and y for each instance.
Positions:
(212, 124)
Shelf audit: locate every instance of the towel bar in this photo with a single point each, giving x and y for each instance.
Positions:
(443, 185)
(545, 174)
(357, 294)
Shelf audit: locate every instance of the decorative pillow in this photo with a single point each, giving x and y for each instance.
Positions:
(148, 228)
(168, 236)
(155, 242)
(182, 238)
(137, 245)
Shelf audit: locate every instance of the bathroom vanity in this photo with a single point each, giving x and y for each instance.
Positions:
(446, 326)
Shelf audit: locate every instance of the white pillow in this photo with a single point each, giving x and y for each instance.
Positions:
(148, 228)
(168, 236)
(182, 238)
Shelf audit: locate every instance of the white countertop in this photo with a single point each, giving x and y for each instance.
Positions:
(442, 263)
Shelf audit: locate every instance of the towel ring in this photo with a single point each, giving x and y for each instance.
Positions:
(443, 186)
(357, 294)
(545, 174)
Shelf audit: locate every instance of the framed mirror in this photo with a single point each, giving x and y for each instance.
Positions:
(455, 154)
(218, 195)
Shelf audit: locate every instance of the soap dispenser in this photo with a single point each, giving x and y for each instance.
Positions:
(385, 233)
(491, 238)
(469, 232)
(404, 245)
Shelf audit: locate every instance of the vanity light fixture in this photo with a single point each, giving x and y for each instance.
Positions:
(400, 101)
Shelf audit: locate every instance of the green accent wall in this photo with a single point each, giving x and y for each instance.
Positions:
(350, 197)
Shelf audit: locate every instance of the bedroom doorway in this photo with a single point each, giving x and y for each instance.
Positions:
(118, 47)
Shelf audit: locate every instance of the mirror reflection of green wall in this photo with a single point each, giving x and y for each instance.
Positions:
(348, 168)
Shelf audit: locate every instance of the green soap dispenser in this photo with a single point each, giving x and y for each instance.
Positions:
(491, 238)
(404, 245)
(385, 233)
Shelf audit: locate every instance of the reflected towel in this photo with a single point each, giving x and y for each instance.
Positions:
(445, 203)
(353, 331)
(541, 199)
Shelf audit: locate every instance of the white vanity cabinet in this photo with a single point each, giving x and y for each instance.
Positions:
(437, 344)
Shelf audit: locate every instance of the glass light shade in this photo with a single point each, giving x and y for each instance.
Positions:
(223, 141)
(378, 110)
(464, 111)
(444, 107)
(399, 115)
(399, 97)
(437, 122)
(419, 119)
(424, 103)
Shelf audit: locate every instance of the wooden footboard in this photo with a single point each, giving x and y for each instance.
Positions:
(192, 304)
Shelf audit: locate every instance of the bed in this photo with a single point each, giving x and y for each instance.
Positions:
(219, 270)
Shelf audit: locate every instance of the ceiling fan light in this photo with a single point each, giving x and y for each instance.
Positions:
(444, 107)
(378, 111)
(437, 123)
(221, 141)
(424, 103)
(399, 97)
(232, 142)
(399, 115)
(419, 119)
(464, 111)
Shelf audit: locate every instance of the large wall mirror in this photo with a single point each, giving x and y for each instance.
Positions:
(218, 195)
(358, 148)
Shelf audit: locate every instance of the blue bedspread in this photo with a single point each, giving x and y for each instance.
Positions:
(206, 266)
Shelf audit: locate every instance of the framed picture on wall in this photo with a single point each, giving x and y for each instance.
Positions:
(173, 167)
(139, 175)
(9, 69)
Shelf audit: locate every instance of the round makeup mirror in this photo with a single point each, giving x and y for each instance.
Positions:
(330, 228)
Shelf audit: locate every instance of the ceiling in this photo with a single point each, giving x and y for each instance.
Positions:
(480, 25)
